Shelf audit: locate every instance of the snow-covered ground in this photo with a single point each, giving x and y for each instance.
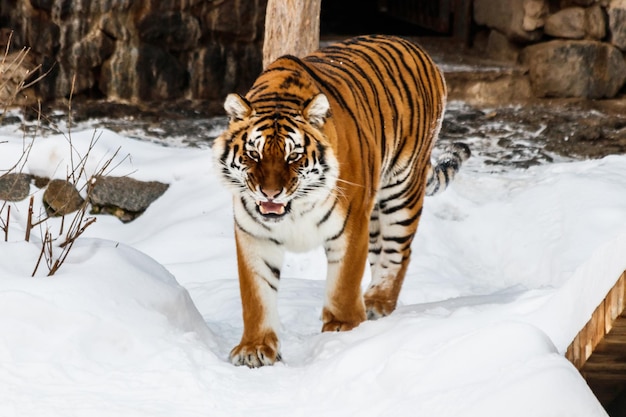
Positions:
(508, 265)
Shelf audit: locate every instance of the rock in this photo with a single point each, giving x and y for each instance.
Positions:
(507, 16)
(214, 71)
(174, 31)
(501, 48)
(113, 26)
(47, 37)
(61, 197)
(15, 70)
(577, 23)
(595, 23)
(617, 23)
(14, 187)
(586, 69)
(140, 52)
(123, 197)
(159, 75)
(92, 50)
(535, 13)
(566, 23)
(40, 182)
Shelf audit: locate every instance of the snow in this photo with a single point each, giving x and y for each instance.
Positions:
(508, 265)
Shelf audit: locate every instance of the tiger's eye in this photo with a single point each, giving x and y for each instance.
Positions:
(254, 155)
(293, 157)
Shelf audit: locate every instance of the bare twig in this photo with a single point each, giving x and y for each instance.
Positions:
(29, 221)
(5, 226)
(62, 225)
(44, 242)
(69, 131)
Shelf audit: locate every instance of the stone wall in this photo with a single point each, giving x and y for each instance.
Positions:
(139, 51)
(571, 48)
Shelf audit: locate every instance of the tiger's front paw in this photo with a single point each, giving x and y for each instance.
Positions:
(256, 353)
(334, 324)
(378, 308)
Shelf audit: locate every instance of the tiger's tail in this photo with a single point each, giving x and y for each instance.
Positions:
(441, 174)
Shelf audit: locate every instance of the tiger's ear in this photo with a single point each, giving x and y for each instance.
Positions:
(317, 110)
(237, 107)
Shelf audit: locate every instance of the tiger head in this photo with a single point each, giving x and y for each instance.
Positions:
(277, 156)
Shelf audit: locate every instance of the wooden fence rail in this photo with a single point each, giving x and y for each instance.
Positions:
(599, 349)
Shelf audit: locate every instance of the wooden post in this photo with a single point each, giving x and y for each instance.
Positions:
(291, 27)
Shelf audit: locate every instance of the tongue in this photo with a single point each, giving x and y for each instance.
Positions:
(271, 208)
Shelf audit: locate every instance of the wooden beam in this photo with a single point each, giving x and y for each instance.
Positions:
(606, 316)
(599, 349)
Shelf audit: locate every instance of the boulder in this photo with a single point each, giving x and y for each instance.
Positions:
(16, 70)
(123, 197)
(586, 69)
(577, 23)
(566, 23)
(535, 13)
(14, 186)
(61, 197)
(501, 48)
(176, 31)
(617, 23)
(506, 16)
(595, 23)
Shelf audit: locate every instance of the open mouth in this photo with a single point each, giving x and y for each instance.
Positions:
(272, 210)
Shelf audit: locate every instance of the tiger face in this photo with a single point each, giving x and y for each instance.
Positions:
(276, 159)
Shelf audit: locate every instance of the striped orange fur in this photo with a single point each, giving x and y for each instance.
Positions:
(333, 149)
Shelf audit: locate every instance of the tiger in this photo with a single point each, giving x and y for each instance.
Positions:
(333, 150)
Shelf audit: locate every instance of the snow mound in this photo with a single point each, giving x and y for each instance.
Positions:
(110, 328)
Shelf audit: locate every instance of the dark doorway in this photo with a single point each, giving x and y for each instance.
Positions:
(399, 17)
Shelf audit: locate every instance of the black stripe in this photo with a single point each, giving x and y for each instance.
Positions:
(251, 214)
(403, 260)
(270, 284)
(398, 239)
(375, 251)
(327, 215)
(275, 271)
(374, 235)
(410, 220)
(343, 227)
(249, 233)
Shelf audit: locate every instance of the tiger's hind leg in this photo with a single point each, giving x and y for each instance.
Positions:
(392, 228)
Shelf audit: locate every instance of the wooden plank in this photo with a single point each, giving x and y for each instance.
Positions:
(607, 351)
(606, 319)
(615, 301)
(573, 352)
(596, 329)
(599, 349)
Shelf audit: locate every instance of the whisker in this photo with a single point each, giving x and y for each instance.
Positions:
(350, 183)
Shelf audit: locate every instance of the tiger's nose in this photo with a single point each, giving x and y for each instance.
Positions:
(270, 192)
